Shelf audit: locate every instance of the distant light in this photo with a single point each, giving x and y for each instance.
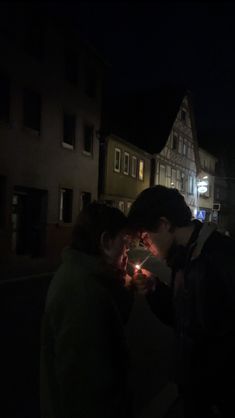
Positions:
(202, 189)
(205, 177)
(137, 266)
(172, 184)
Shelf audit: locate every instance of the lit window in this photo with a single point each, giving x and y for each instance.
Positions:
(141, 170)
(134, 166)
(66, 202)
(117, 160)
(128, 206)
(126, 163)
(88, 139)
(69, 130)
(173, 178)
(121, 205)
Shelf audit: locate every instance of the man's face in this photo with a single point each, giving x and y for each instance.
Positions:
(160, 241)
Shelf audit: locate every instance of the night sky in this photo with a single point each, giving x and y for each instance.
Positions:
(148, 44)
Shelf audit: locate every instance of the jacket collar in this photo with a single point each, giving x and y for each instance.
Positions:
(205, 232)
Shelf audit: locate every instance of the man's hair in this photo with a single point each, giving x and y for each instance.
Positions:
(156, 202)
(92, 221)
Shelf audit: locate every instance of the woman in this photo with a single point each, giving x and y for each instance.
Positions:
(84, 359)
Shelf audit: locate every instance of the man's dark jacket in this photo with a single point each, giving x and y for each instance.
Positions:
(203, 313)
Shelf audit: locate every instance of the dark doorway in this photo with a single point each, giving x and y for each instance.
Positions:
(85, 199)
(29, 217)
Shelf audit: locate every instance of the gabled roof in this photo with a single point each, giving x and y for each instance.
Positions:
(143, 118)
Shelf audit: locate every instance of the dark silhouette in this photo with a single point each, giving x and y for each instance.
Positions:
(84, 357)
(199, 303)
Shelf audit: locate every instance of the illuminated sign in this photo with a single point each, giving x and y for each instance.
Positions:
(202, 186)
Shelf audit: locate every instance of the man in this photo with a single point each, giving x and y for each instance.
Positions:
(84, 357)
(200, 303)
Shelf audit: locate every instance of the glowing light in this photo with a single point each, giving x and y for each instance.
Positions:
(137, 266)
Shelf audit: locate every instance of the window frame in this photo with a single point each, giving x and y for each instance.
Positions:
(62, 191)
(90, 126)
(133, 174)
(117, 151)
(64, 143)
(126, 154)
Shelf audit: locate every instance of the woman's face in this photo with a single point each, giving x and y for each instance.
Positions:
(116, 251)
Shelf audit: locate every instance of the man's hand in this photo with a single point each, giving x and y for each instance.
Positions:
(144, 281)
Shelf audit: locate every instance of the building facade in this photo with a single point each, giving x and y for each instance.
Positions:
(177, 162)
(50, 109)
(124, 172)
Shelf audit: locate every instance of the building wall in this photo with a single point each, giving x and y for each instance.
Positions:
(121, 187)
(40, 160)
(178, 158)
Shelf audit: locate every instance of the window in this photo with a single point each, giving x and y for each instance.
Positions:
(141, 170)
(184, 148)
(168, 176)
(88, 139)
(126, 163)
(3, 195)
(85, 199)
(117, 160)
(182, 182)
(174, 141)
(180, 148)
(32, 110)
(162, 175)
(66, 203)
(128, 206)
(71, 66)
(190, 185)
(134, 166)
(121, 205)
(173, 178)
(4, 98)
(183, 115)
(69, 130)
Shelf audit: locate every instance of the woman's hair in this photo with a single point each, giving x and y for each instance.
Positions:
(92, 221)
(156, 202)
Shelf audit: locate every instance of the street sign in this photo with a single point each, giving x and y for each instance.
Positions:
(201, 215)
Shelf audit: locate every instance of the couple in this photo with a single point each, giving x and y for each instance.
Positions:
(84, 357)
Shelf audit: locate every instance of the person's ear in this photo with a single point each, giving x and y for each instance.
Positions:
(164, 224)
(105, 242)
